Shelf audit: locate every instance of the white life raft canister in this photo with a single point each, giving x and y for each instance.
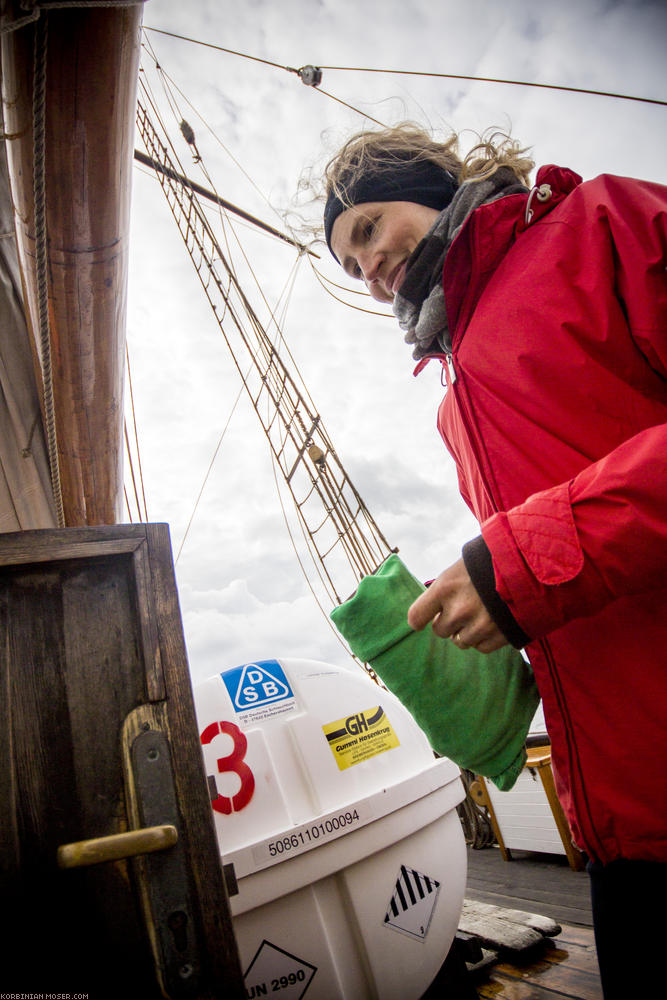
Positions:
(341, 827)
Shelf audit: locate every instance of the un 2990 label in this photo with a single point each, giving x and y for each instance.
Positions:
(274, 970)
(274, 985)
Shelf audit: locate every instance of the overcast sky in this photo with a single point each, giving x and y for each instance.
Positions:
(243, 595)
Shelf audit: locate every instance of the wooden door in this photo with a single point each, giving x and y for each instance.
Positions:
(97, 737)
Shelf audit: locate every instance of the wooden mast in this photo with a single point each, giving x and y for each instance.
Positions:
(90, 57)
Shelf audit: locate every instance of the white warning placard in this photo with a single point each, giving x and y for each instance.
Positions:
(412, 903)
(274, 970)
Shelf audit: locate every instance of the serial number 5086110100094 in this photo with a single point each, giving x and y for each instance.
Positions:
(313, 833)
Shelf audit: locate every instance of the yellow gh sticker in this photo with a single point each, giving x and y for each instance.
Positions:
(358, 737)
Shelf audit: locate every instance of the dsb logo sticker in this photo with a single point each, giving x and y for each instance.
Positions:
(257, 685)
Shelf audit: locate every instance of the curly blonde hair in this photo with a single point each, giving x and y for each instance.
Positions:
(373, 149)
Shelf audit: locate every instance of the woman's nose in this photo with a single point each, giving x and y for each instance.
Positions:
(369, 264)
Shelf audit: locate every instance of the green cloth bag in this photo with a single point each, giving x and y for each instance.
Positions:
(475, 708)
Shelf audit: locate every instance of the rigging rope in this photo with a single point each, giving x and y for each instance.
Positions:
(424, 73)
(163, 168)
(208, 473)
(325, 499)
(168, 85)
(291, 277)
(292, 425)
(346, 288)
(221, 202)
(304, 534)
(233, 52)
(127, 505)
(41, 259)
(351, 107)
(131, 464)
(165, 76)
(304, 570)
(491, 79)
(372, 312)
(136, 439)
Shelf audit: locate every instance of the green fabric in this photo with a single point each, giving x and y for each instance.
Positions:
(475, 708)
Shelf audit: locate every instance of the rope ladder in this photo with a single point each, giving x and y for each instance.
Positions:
(343, 539)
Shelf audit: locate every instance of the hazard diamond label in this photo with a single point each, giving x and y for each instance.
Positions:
(259, 690)
(412, 903)
(273, 969)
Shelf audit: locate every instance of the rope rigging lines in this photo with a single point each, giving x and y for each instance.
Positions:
(344, 541)
(331, 516)
(41, 258)
(141, 505)
(172, 94)
(313, 81)
(491, 79)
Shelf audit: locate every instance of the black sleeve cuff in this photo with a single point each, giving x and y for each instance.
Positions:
(479, 564)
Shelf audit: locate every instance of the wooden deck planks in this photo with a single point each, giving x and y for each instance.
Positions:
(538, 883)
(562, 967)
(559, 972)
(500, 990)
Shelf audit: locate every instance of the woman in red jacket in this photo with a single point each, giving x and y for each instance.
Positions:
(547, 307)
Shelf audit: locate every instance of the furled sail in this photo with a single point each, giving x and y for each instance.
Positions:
(26, 500)
(69, 81)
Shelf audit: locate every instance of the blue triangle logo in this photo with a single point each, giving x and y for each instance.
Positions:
(255, 684)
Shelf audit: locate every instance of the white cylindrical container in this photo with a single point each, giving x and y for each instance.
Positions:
(341, 828)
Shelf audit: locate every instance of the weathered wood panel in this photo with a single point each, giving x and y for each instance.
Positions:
(502, 928)
(92, 655)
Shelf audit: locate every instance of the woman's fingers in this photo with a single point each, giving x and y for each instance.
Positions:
(456, 611)
(428, 607)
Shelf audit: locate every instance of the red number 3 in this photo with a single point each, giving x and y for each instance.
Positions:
(232, 762)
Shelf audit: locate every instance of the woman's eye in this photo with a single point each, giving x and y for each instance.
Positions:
(369, 229)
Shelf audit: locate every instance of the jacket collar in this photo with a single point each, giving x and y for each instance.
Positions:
(552, 185)
(487, 236)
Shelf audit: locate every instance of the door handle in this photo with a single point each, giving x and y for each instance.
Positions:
(117, 846)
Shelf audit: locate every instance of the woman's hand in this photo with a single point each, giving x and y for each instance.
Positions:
(454, 606)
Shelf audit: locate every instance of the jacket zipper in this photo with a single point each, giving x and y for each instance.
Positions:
(467, 416)
(460, 395)
(579, 794)
(578, 786)
(458, 387)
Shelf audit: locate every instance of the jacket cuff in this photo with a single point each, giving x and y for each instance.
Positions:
(478, 562)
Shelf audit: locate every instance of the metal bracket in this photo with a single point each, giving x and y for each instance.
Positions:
(165, 882)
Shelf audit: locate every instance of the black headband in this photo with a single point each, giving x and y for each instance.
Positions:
(400, 178)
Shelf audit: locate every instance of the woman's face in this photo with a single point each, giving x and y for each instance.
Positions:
(374, 240)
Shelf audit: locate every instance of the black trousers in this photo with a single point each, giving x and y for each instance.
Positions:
(628, 902)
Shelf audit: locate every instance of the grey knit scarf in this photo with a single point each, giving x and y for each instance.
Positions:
(419, 304)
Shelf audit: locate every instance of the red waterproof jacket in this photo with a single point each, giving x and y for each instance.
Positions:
(556, 415)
